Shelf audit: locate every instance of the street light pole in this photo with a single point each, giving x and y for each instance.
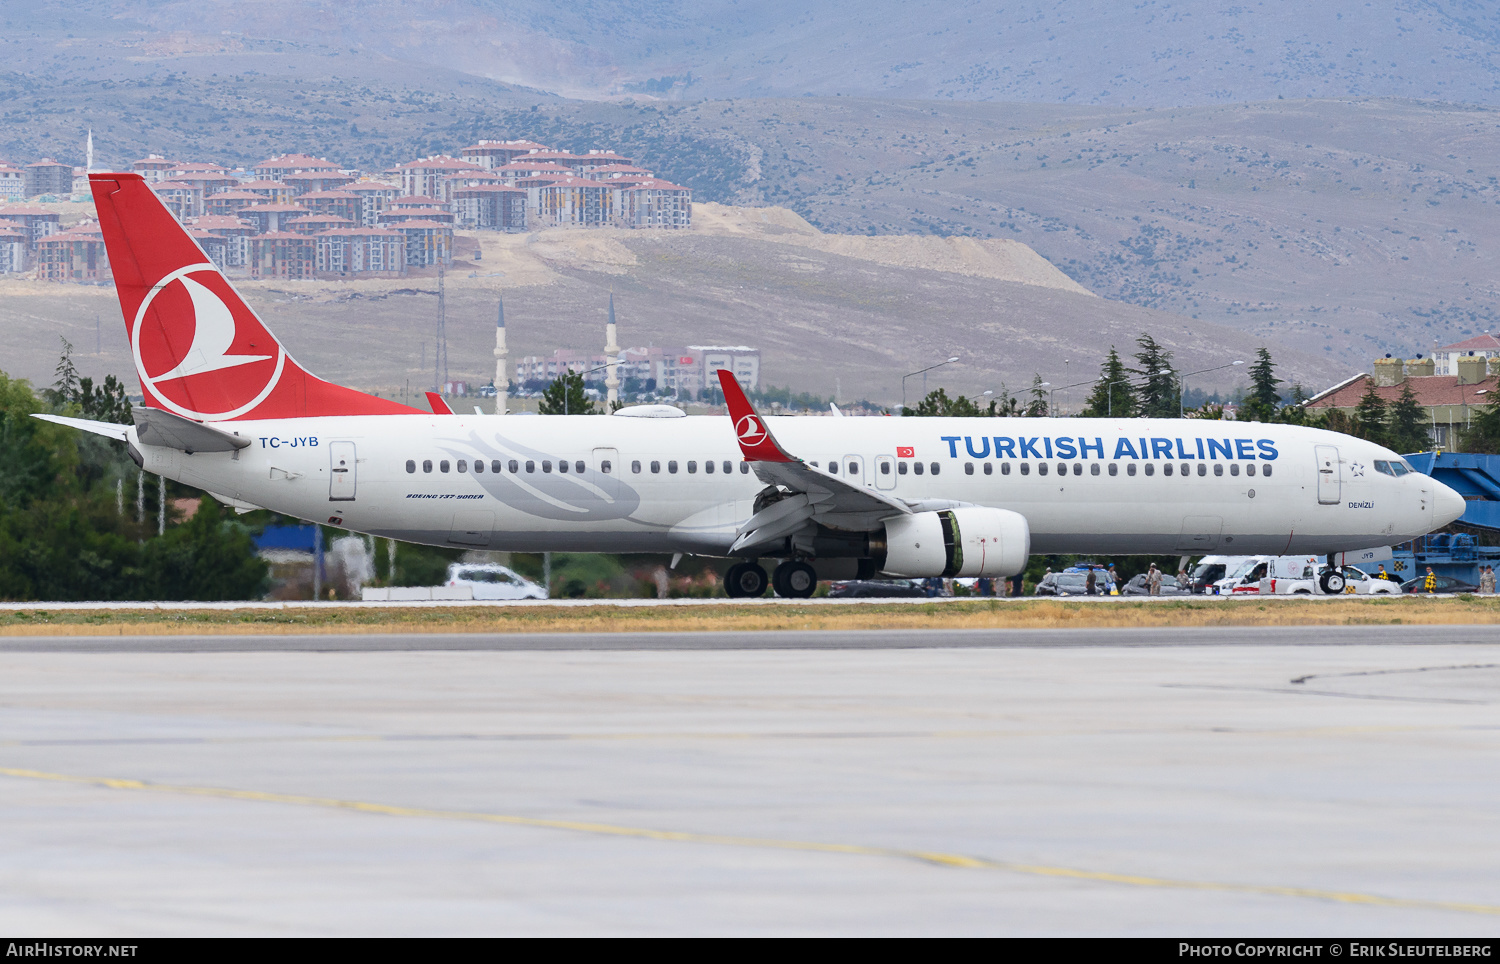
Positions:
(1180, 390)
(920, 371)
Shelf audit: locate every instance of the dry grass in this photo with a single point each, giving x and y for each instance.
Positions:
(729, 616)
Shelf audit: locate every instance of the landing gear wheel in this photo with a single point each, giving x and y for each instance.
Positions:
(745, 580)
(795, 580)
(1331, 582)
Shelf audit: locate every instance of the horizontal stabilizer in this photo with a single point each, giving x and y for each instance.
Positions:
(112, 430)
(153, 426)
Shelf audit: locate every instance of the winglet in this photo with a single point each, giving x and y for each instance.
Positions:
(757, 443)
(439, 407)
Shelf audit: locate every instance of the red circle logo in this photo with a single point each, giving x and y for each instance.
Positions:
(750, 430)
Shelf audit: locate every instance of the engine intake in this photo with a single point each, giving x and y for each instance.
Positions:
(968, 541)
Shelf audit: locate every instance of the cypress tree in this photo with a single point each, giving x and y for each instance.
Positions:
(1264, 399)
(1369, 415)
(1158, 394)
(1113, 394)
(1406, 425)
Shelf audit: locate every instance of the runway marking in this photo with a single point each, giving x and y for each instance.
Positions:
(932, 857)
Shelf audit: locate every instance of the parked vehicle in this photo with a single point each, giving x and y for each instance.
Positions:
(1209, 570)
(1445, 584)
(1243, 574)
(870, 588)
(1356, 580)
(1136, 586)
(1069, 584)
(493, 581)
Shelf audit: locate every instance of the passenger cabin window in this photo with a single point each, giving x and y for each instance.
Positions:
(635, 467)
(1005, 468)
(562, 466)
(579, 467)
(1218, 468)
(936, 468)
(443, 465)
(1130, 468)
(514, 466)
(1234, 468)
(989, 469)
(692, 468)
(1166, 469)
(1093, 468)
(1202, 469)
(1114, 469)
(917, 467)
(1186, 470)
(727, 467)
(1250, 469)
(463, 466)
(885, 468)
(744, 468)
(1025, 468)
(1041, 468)
(427, 465)
(604, 466)
(495, 466)
(672, 466)
(411, 466)
(968, 468)
(853, 468)
(900, 468)
(478, 466)
(655, 468)
(1266, 471)
(1150, 468)
(708, 468)
(546, 465)
(530, 466)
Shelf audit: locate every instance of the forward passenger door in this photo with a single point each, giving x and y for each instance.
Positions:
(1330, 477)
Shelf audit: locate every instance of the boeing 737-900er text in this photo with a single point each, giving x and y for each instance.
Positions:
(228, 410)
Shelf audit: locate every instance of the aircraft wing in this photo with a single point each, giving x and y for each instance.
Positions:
(811, 494)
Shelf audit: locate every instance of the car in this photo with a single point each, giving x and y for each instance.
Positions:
(1136, 586)
(1356, 582)
(493, 581)
(1070, 584)
(1445, 584)
(871, 588)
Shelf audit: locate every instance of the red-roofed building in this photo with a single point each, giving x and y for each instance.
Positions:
(153, 167)
(493, 154)
(344, 204)
(453, 182)
(48, 177)
(393, 216)
(594, 160)
(316, 223)
(227, 203)
(361, 253)
(271, 218)
(284, 255)
(605, 172)
(301, 182)
(374, 197)
(657, 204)
(12, 248)
(38, 221)
(218, 248)
(235, 251)
(427, 242)
(573, 202)
(422, 176)
(272, 191)
(490, 207)
(1449, 401)
(76, 255)
(561, 158)
(277, 168)
(224, 225)
(1480, 346)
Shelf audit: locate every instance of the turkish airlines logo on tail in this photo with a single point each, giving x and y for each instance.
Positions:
(750, 431)
(185, 331)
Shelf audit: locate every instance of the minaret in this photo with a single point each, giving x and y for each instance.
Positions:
(88, 165)
(502, 379)
(611, 358)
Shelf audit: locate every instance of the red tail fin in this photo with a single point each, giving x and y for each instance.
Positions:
(199, 349)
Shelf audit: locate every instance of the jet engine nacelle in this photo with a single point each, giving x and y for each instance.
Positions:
(969, 541)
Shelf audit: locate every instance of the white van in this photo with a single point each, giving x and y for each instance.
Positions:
(1242, 574)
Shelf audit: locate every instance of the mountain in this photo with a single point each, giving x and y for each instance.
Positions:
(1153, 53)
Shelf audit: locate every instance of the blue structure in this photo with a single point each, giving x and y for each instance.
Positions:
(1477, 479)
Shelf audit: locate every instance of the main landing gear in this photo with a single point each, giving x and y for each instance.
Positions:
(745, 580)
(792, 580)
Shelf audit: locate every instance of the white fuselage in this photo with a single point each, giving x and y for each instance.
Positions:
(641, 484)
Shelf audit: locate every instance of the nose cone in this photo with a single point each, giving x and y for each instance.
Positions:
(1447, 506)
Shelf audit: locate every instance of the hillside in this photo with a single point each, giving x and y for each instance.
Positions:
(1151, 54)
(831, 313)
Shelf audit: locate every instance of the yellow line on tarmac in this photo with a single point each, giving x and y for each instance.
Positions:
(766, 843)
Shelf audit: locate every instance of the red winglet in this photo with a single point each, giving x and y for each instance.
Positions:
(439, 407)
(757, 443)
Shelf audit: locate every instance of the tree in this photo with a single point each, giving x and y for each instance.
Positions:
(1037, 407)
(565, 396)
(1482, 437)
(65, 388)
(938, 403)
(1158, 391)
(1369, 415)
(1406, 425)
(1264, 400)
(105, 404)
(1113, 395)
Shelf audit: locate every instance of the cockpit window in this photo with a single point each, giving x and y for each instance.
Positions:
(1395, 469)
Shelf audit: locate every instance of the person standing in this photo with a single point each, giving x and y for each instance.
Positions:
(1153, 580)
(1429, 584)
(1487, 581)
(1091, 583)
